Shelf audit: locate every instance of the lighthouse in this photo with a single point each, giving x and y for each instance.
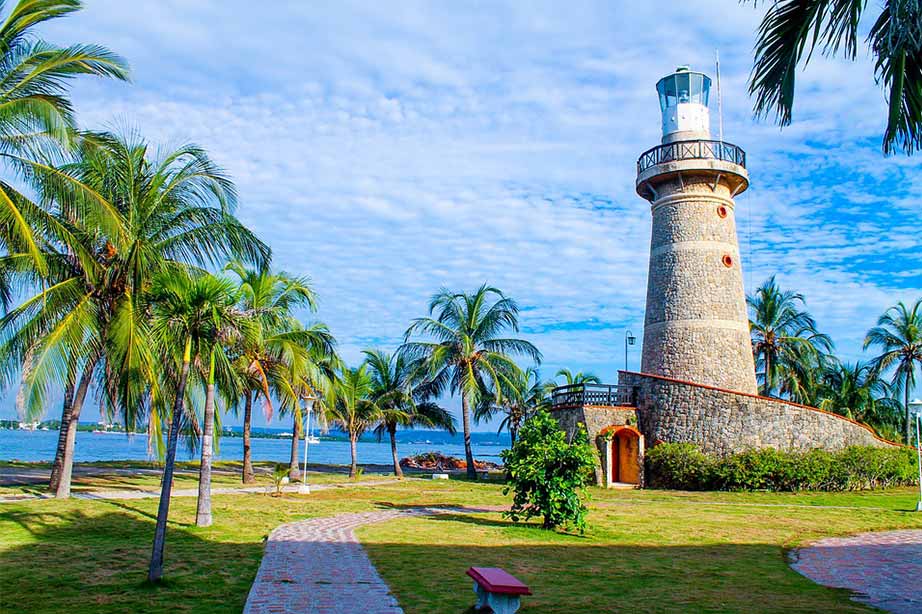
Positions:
(696, 326)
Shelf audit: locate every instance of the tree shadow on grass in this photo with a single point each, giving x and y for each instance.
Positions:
(82, 563)
(575, 577)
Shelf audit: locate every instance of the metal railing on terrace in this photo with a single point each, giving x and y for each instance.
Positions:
(691, 150)
(592, 394)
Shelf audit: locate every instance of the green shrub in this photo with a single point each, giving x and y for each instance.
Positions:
(678, 466)
(683, 466)
(548, 474)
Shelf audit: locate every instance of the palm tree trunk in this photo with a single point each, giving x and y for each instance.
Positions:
(468, 451)
(294, 469)
(392, 431)
(62, 436)
(62, 491)
(354, 469)
(203, 508)
(906, 405)
(155, 572)
(248, 476)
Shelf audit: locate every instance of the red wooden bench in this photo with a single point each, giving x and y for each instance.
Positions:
(497, 589)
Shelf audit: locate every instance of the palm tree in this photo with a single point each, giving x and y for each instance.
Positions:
(217, 368)
(856, 391)
(36, 117)
(578, 377)
(783, 336)
(899, 336)
(792, 30)
(352, 407)
(399, 392)
(523, 394)
(265, 359)
(189, 317)
(165, 213)
(463, 351)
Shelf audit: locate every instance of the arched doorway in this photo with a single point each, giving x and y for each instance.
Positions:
(623, 455)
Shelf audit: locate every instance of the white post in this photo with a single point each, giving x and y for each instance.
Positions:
(919, 455)
(305, 488)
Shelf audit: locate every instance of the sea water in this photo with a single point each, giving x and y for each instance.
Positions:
(40, 445)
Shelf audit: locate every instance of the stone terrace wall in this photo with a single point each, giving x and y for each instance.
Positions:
(723, 422)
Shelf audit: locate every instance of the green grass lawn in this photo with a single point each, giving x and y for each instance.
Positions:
(646, 551)
(123, 475)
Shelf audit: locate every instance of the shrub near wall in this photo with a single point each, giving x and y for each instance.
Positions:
(683, 466)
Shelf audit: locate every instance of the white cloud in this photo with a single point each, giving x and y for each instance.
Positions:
(388, 150)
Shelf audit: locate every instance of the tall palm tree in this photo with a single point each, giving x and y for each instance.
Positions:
(783, 335)
(577, 378)
(463, 350)
(164, 213)
(216, 368)
(523, 394)
(898, 334)
(189, 315)
(352, 407)
(280, 343)
(793, 29)
(399, 392)
(36, 117)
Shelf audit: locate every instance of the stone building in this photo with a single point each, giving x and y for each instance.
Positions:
(697, 382)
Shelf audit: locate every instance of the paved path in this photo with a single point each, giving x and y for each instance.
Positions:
(188, 492)
(885, 569)
(317, 566)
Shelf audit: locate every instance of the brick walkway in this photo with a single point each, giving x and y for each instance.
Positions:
(317, 566)
(884, 569)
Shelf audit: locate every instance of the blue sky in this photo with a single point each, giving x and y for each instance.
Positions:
(389, 149)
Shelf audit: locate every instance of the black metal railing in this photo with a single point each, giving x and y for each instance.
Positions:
(691, 150)
(592, 394)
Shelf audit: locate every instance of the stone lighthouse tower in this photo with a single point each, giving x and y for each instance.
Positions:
(696, 326)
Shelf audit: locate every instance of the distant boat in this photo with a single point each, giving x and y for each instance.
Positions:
(313, 439)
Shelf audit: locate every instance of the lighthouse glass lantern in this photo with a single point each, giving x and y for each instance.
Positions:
(683, 101)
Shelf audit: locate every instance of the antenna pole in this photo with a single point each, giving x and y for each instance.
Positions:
(720, 113)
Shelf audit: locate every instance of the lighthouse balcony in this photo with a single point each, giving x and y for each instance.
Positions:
(586, 395)
(722, 161)
(691, 150)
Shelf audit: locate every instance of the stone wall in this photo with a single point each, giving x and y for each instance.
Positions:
(722, 422)
(596, 418)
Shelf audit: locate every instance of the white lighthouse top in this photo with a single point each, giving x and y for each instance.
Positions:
(683, 100)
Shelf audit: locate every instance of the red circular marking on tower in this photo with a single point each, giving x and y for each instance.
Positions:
(722, 211)
(727, 260)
